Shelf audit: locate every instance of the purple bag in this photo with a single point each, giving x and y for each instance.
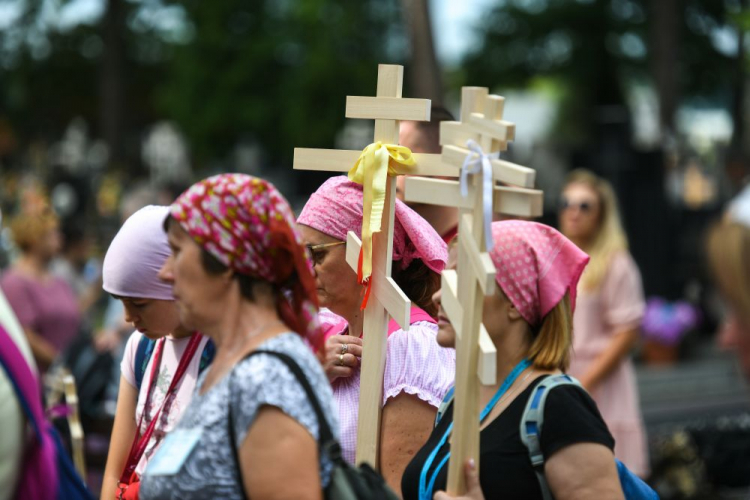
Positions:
(46, 472)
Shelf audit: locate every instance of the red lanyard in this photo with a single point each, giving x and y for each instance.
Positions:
(138, 447)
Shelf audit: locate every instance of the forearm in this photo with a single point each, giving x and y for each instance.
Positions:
(608, 360)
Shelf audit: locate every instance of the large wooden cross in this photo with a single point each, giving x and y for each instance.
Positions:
(386, 298)
(481, 121)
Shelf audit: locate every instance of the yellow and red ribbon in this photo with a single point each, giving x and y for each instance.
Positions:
(371, 170)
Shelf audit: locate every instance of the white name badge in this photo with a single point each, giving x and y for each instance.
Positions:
(173, 452)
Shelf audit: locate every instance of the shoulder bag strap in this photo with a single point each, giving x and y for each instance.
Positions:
(326, 443)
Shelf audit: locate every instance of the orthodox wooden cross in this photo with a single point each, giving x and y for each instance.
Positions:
(386, 298)
(463, 290)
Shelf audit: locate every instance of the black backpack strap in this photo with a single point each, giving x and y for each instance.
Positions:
(532, 422)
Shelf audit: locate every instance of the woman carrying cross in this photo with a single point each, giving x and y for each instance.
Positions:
(417, 371)
(529, 319)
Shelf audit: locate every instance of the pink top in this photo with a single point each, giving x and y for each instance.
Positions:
(415, 364)
(173, 349)
(48, 308)
(617, 305)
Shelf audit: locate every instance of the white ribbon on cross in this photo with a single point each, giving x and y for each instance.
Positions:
(478, 161)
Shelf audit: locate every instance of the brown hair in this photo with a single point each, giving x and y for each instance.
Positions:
(29, 229)
(429, 131)
(419, 283)
(610, 237)
(550, 349)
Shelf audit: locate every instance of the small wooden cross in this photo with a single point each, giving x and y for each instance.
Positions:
(386, 298)
(481, 121)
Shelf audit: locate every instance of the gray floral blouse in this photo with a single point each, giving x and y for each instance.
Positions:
(210, 470)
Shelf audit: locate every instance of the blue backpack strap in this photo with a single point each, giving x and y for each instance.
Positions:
(142, 355)
(207, 356)
(447, 400)
(532, 421)
(634, 488)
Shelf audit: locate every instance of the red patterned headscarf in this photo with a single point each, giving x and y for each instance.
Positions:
(248, 226)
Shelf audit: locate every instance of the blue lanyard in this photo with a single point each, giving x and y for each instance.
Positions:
(425, 488)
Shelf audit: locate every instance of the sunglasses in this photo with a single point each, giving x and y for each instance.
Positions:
(314, 250)
(584, 206)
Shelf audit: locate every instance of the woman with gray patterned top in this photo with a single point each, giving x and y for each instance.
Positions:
(241, 276)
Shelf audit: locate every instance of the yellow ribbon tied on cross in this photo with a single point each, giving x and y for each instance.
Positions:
(371, 170)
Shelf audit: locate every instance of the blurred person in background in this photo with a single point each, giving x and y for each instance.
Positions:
(77, 267)
(424, 137)
(45, 305)
(729, 258)
(610, 309)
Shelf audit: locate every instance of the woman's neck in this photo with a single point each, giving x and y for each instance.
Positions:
(512, 347)
(241, 325)
(355, 320)
(32, 265)
(181, 332)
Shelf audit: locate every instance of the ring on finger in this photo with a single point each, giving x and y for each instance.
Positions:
(341, 360)
(344, 348)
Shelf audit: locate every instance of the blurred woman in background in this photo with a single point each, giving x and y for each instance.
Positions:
(610, 309)
(45, 305)
(729, 258)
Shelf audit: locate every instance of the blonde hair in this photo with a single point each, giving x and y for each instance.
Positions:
(728, 247)
(610, 237)
(28, 229)
(550, 349)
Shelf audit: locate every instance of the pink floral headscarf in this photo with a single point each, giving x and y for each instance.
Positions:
(336, 208)
(536, 266)
(246, 224)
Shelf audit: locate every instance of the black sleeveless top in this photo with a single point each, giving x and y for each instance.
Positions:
(570, 417)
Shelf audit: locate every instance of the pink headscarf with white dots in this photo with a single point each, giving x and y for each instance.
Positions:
(536, 266)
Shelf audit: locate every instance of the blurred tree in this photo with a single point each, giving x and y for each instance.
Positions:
(424, 76)
(53, 72)
(594, 49)
(276, 71)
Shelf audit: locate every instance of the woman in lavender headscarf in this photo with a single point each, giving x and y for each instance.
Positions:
(162, 358)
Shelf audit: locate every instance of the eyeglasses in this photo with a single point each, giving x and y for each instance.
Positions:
(584, 206)
(314, 250)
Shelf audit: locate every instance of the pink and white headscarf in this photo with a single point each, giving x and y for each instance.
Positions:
(536, 266)
(135, 256)
(336, 208)
(245, 223)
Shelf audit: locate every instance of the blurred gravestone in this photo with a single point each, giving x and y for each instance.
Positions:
(165, 152)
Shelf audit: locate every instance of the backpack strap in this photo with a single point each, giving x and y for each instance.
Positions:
(146, 348)
(207, 355)
(142, 355)
(532, 422)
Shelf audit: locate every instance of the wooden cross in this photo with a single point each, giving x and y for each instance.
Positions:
(481, 121)
(386, 298)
